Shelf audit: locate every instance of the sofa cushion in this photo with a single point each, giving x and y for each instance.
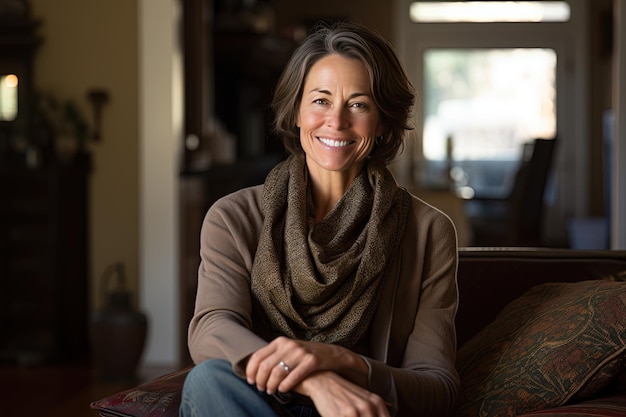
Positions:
(556, 342)
(157, 398)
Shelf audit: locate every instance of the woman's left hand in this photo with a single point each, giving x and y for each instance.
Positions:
(334, 396)
(285, 362)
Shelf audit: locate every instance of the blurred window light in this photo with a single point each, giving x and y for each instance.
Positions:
(489, 11)
(8, 97)
(487, 101)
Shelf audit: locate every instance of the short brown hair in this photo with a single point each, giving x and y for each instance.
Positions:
(392, 91)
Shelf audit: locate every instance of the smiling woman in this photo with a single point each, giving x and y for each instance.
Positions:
(338, 123)
(392, 94)
(300, 276)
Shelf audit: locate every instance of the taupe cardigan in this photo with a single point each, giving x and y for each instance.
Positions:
(412, 338)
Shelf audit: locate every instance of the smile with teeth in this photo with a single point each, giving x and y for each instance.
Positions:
(335, 143)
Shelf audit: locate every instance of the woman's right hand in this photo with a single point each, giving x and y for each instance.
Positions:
(335, 396)
(284, 363)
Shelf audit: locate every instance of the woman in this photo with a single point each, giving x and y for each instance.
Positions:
(328, 290)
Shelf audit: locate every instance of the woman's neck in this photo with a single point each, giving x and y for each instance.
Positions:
(324, 199)
(327, 190)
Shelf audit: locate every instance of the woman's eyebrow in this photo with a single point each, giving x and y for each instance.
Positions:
(327, 92)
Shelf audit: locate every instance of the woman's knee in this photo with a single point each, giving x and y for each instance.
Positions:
(203, 388)
(208, 374)
(211, 388)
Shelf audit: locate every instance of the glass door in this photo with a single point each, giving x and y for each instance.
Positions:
(486, 87)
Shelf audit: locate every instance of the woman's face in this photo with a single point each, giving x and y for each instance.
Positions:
(338, 119)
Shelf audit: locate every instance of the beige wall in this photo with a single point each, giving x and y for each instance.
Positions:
(161, 136)
(88, 43)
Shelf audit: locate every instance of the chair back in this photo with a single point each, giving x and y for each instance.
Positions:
(526, 201)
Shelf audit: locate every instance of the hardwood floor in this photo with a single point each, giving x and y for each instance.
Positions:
(58, 391)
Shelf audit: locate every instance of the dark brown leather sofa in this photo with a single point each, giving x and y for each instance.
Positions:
(550, 361)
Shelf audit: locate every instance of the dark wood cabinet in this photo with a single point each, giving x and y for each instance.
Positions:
(44, 263)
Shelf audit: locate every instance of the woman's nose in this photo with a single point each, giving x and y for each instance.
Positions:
(338, 118)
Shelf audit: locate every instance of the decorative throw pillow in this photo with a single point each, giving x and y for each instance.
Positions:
(605, 406)
(157, 398)
(556, 342)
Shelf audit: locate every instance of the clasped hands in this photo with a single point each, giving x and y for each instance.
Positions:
(333, 377)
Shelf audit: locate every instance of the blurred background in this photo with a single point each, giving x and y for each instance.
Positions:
(122, 121)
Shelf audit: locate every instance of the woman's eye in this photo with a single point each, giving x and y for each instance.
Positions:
(319, 101)
(359, 106)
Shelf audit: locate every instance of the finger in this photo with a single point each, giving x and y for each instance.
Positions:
(280, 372)
(286, 355)
(300, 366)
(382, 407)
(373, 405)
(254, 362)
(267, 377)
(268, 371)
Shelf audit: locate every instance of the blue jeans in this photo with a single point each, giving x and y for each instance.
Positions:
(212, 389)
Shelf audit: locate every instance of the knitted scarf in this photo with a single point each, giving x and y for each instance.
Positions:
(322, 282)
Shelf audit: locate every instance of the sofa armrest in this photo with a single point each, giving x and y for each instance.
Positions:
(490, 278)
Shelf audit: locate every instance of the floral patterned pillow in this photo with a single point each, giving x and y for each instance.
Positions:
(557, 342)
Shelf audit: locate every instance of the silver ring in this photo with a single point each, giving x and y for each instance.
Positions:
(284, 366)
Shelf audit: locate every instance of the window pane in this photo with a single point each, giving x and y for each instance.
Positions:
(490, 11)
(487, 101)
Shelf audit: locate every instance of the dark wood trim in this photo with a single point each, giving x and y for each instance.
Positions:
(197, 46)
(197, 41)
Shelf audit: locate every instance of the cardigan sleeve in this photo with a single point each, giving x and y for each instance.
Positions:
(420, 377)
(222, 325)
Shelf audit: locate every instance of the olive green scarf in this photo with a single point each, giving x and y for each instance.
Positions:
(322, 282)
